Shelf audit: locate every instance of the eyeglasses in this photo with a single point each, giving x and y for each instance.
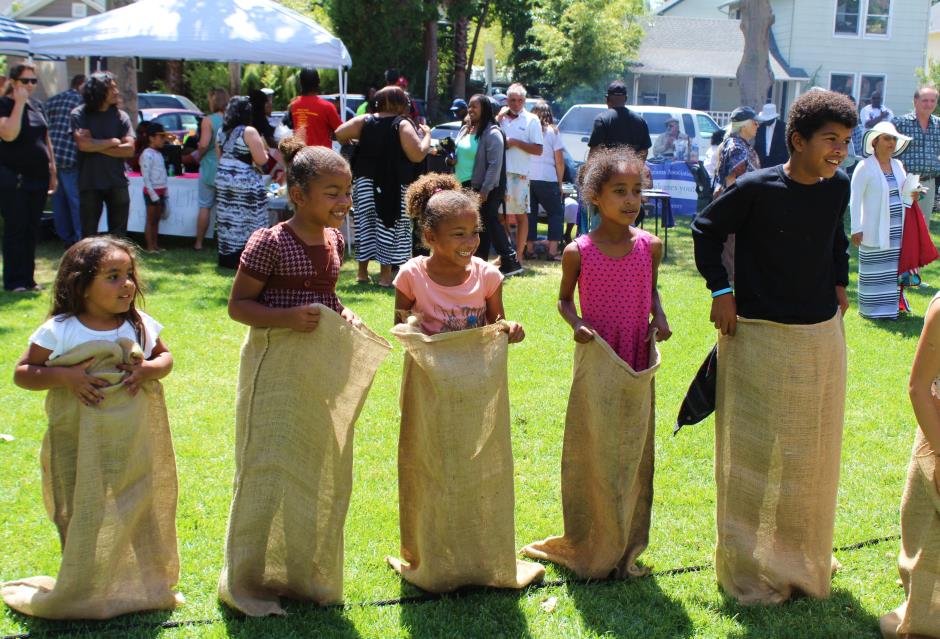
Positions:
(28, 80)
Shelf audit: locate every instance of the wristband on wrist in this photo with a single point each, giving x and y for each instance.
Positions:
(723, 291)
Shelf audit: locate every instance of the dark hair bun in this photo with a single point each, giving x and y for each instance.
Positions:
(290, 146)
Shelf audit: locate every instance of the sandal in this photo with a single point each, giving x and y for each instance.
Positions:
(360, 280)
(553, 258)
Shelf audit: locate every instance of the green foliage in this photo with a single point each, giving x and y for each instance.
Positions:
(382, 35)
(200, 77)
(584, 42)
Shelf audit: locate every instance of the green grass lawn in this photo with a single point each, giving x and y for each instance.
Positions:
(187, 293)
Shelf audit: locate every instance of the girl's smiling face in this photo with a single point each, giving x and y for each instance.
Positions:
(326, 200)
(112, 291)
(619, 199)
(455, 239)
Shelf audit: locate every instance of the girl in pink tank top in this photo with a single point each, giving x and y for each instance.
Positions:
(614, 266)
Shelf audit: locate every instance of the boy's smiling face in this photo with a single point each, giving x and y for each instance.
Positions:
(821, 154)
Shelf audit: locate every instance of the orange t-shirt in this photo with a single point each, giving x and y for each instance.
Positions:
(317, 117)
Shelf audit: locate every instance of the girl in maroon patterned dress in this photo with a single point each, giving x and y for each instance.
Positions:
(286, 269)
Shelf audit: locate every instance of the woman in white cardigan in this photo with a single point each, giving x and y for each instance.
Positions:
(877, 210)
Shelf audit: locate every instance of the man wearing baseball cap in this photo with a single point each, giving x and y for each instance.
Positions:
(458, 109)
(619, 125)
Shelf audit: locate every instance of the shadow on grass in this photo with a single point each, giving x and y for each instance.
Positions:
(140, 626)
(302, 620)
(842, 615)
(630, 608)
(477, 612)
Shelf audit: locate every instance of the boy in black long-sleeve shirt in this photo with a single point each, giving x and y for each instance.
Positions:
(781, 357)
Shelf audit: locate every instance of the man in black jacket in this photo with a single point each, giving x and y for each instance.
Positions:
(771, 140)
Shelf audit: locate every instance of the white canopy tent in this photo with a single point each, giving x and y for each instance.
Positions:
(216, 30)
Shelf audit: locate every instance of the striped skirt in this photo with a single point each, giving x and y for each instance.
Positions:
(241, 205)
(374, 240)
(878, 291)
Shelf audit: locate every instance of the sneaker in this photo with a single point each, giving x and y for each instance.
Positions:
(510, 267)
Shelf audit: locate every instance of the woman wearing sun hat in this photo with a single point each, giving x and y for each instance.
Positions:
(877, 209)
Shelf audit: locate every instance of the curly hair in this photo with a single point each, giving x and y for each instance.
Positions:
(237, 113)
(434, 197)
(812, 110)
(603, 164)
(305, 163)
(96, 88)
(77, 270)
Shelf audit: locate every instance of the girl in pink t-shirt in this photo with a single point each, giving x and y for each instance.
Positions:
(451, 290)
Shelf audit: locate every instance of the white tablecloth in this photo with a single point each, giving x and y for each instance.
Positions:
(181, 210)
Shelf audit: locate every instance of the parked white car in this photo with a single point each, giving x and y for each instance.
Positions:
(575, 127)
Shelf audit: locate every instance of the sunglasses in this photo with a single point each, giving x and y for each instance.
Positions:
(28, 80)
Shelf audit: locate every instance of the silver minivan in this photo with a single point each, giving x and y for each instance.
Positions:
(576, 125)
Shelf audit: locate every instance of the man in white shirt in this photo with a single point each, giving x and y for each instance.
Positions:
(872, 114)
(523, 133)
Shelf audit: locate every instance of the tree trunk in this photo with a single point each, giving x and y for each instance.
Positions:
(754, 76)
(174, 76)
(459, 87)
(476, 36)
(125, 71)
(430, 58)
(234, 78)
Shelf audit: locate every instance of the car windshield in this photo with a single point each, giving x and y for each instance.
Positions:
(657, 121)
(579, 120)
(706, 126)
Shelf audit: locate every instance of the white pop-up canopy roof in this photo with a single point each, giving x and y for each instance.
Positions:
(216, 30)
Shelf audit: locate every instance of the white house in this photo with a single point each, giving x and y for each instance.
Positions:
(933, 35)
(852, 46)
(692, 62)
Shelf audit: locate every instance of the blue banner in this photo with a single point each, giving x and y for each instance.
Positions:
(677, 180)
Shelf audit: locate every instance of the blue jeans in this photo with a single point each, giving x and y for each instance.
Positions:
(65, 209)
(548, 194)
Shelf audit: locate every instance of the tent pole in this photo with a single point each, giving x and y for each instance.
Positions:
(342, 93)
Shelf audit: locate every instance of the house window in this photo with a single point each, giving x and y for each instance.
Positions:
(852, 14)
(847, 14)
(842, 83)
(868, 85)
(701, 94)
(876, 18)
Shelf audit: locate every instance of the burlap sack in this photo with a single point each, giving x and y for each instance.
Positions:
(455, 482)
(779, 414)
(919, 559)
(606, 466)
(299, 395)
(109, 484)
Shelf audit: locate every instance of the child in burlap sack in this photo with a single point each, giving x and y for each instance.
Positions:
(455, 474)
(451, 290)
(780, 395)
(305, 371)
(919, 559)
(607, 490)
(109, 476)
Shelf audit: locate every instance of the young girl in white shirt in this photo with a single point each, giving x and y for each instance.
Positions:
(153, 170)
